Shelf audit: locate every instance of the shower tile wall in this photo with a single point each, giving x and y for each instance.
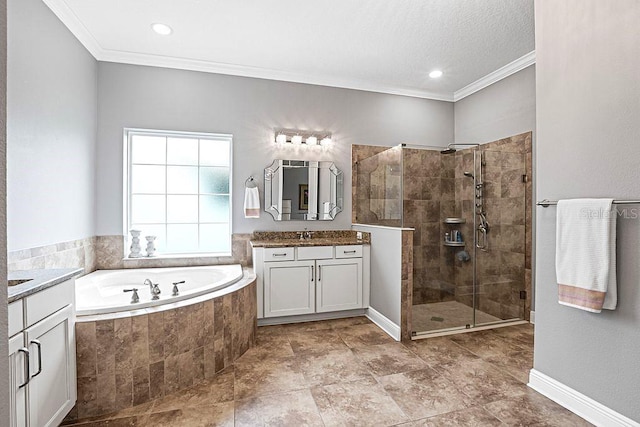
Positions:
(428, 197)
(360, 183)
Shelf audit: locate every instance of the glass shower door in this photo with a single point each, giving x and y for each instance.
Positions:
(500, 266)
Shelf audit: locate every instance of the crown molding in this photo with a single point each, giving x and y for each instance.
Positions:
(62, 10)
(135, 58)
(499, 74)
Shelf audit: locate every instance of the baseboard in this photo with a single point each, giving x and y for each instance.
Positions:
(270, 321)
(384, 323)
(532, 317)
(584, 406)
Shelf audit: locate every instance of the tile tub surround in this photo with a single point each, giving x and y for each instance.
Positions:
(275, 239)
(135, 359)
(79, 253)
(110, 252)
(348, 372)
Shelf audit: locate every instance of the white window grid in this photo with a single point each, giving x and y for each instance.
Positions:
(129, 133)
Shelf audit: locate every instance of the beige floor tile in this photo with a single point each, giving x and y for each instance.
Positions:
(475, 417)
(519, 334)
(482, 381)
(357, 403)
(221, 414)
(448, 314)
(531, 409)
(439, 350)
(485, 344)
(388, 359)
(275, 375)
(216, 390)
(319, 341)
(332, 367)
(424, 393)
(287, 409)
(364, 335)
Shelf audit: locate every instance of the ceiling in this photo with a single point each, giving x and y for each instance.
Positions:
(385, 46)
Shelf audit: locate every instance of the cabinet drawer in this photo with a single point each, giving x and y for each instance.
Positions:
(315, 252)
(44, 303)
(16, 323)
(349, 251)
(278, 254)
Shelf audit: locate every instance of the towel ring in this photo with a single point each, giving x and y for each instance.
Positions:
(250, 183)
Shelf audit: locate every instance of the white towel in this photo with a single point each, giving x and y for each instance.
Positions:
(251, 202)
(586, 254)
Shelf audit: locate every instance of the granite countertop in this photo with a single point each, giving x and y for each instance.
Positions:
(37, 280)
(266, 239)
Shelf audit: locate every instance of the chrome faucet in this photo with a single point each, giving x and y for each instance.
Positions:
(305, 235)
(154, 288)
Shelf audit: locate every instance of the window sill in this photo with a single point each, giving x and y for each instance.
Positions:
(177, 257)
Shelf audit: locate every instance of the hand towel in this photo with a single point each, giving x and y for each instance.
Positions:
(251, 202)
(586, 254)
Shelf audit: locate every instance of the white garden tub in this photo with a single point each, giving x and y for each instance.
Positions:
(103, 291)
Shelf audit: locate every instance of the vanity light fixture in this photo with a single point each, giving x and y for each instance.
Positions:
(162, 29)
(281, 138)
(435, 74)
(298, 137)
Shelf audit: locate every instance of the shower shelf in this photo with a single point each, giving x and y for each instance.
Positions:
(454, 221)
(454, 244)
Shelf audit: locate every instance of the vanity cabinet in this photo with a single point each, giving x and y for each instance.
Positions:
(42, 358)
(309, 280)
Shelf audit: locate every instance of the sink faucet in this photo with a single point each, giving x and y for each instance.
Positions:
(154, 288)
(305, 235)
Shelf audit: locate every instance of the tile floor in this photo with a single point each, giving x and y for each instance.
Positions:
(447, 314)
(349, 373)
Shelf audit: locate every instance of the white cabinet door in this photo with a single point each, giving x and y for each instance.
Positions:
(339, 285)
(289, 288)
(18, 376)
(52, 388)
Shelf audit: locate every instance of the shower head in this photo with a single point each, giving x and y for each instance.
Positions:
(448, 151)
(469, 174)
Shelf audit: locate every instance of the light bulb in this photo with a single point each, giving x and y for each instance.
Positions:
(435, 74)
(312, 140)
(325, 141)
(281, 138)
(162, 29)
(296, 139)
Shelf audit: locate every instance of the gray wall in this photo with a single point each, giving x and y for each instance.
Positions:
(4, 362)
(588, 141)
(52, 106)
(505, 108)
(250, 109)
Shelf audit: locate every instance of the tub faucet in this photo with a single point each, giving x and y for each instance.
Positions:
(154, 288)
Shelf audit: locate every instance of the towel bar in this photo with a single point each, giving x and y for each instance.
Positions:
(546, 203)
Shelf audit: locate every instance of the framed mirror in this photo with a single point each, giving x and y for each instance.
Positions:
(300, 190)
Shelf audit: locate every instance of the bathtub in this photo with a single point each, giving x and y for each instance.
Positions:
(135, 353)
(103, 291)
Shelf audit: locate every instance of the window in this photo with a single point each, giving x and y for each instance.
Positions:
(179, 189)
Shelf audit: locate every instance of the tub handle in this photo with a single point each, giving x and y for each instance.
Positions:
(176, 291)
(134, 298)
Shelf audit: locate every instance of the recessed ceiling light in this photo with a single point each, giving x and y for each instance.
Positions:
(162, 29)
(435, 74)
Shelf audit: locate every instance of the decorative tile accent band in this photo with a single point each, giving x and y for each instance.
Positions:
(107, 253)
(131, 360)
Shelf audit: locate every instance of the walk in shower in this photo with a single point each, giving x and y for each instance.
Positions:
(467, 204)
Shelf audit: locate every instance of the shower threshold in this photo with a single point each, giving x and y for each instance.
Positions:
(464, 329)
